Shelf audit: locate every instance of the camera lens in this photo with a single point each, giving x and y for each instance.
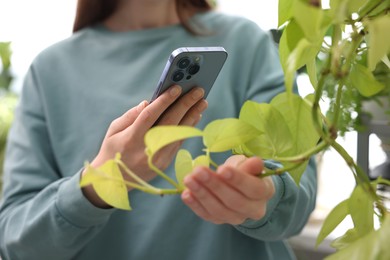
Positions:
(177, 76)
(183, 63)
(193, 69)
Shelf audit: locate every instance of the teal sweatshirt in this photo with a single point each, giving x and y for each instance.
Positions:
(72, 92)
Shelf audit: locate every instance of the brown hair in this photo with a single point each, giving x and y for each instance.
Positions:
(90, 12)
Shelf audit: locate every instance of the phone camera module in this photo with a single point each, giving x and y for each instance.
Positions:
(193, 69)
(183, 63)
(177, 76)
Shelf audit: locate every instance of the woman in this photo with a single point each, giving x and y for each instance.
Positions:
(75, 107)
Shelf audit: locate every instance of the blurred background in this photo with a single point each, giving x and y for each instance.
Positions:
(31, 26)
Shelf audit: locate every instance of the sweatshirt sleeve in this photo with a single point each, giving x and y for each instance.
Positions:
(290, 208)
(43, 215)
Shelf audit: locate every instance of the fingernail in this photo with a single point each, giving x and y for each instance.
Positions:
(186, 196)
(203, 175)
(141, 105)
(174, 91)
(191, 184)
(202, 105)
(198, 93)
(227, 174)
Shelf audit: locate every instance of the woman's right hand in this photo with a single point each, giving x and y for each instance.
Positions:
(126, 134)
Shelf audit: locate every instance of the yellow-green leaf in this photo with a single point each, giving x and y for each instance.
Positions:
(160, 136)
(284, 11)
(225, 134)
(312, 72)
(309, 19)
(108, 184)
(345, 240)
(201, 160)
(386, 61)
(374, 245)
(305, 52)
(334, 218)
(292, 34)
(275, 138)
(362, 79)
(297, 114)
(379, 40)
(183, 165)
(361, 208)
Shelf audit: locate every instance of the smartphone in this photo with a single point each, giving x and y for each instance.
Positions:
(189, 67)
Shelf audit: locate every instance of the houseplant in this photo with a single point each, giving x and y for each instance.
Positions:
(351, 37)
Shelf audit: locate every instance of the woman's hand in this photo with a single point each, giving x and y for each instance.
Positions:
(230, 195)
(126, 133)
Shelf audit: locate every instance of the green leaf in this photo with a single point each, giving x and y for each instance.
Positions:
(183, 165)
(362, 79)
(343, 9)
(312, 72)
(386, 61)
(292, 34)
(201, 160)
(335, 217)
(374, 245)
(361, 208)
(355, 5)
(276, 137)
(225, 134)
(345, 240)
(297, 114)
(284, 11)
(160, 136)
(108, 183)
(309, 19)
(379, 40)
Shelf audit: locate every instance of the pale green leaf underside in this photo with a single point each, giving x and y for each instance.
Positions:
(160, 136)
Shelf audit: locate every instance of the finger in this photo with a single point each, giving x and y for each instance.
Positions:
(251, 186)
(175, 113)
(153, 111)
(127, 119)
(194, 115)
(236, 160)
(197, 208)
(211, 203)
(230, 197)
(253, 165)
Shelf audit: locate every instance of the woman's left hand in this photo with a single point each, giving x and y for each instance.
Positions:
(230, 195)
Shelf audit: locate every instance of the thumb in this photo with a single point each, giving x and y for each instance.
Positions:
(127, 119)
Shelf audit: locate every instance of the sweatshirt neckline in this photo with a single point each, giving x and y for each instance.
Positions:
(157, 31)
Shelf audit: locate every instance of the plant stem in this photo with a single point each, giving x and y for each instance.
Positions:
(304, 156)
(361, 177)
(162, 174)
(279, 171)
(132, 174)
(154, 190)
(366, 9)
